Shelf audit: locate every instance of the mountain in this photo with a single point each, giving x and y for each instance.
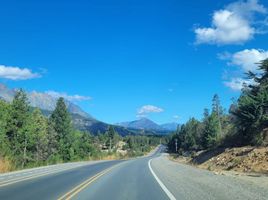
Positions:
(142, 123)
(147, 124)
(81, 119)
(170, 126)
(41, 100)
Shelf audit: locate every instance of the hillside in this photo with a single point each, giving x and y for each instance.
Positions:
(241, 160)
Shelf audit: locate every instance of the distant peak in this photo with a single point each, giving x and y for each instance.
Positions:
(3, 86)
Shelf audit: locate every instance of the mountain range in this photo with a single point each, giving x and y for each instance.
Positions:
(84, 121)
(147, 124)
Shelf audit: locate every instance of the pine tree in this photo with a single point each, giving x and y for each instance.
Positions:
(17, 127)
(61, 121)
(251, 112)
(211, 130)
(217, 109)
(113, 137)
(4, 112)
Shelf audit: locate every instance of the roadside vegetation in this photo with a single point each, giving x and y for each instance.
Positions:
(245, 123)
(29, 139)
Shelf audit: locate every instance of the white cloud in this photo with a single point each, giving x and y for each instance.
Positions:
(176, 117)
(147, 109)
(68, 97)
(248, 59)
(237, 83)
(232, 25)
(16, 73)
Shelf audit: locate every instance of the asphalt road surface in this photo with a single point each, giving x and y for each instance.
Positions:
(152, 177)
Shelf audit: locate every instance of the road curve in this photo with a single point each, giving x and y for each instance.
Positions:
(131, 180)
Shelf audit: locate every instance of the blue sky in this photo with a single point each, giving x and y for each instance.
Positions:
(127, 59)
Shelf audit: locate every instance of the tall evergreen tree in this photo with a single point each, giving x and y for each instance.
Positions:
(217, 109)
(211, 131)
(113, 137)
(61, 121)
(4, 112)
(251, 111)
(18, 127)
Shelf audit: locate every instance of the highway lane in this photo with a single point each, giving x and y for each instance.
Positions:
(59, 180)
(130, 180)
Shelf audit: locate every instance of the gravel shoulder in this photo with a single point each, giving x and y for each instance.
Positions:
(188, 182)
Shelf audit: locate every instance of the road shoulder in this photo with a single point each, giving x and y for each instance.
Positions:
(188, 182)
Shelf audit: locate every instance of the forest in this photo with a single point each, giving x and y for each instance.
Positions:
(245, 123)
(28, 138)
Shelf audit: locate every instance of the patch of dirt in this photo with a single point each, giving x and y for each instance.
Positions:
(243, 159)
(180, 159)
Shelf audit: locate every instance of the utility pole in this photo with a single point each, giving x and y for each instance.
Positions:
(176, 144)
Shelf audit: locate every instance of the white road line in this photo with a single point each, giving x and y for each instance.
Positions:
(168, 193)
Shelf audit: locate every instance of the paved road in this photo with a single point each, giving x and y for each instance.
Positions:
(130, 180)
(187, 182)
(152, 177)
(48, 182)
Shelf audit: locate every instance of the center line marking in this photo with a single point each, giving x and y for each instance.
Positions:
(164, 188)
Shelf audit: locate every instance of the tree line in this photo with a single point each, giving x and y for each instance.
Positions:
(29, 138)
(245, 123)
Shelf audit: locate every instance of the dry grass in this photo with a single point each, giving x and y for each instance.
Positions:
(5, 165)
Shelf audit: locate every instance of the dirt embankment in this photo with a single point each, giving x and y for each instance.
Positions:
(242, 160)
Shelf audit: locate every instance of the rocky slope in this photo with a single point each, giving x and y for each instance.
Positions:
(242, 159)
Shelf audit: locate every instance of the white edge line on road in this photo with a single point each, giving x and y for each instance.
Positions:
(168, 193)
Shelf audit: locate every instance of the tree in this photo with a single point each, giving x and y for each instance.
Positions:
(251, 112)
(211, 130)
(190, 132)
(217, 109)
(18, 127)
(61, 121)
(53, 144)
(39, 130)
(113, 137)
(4, 112)
(216, 105)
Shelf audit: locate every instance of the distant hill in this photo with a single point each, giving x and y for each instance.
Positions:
(142, 123)
(149, 125)
(170, 126)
